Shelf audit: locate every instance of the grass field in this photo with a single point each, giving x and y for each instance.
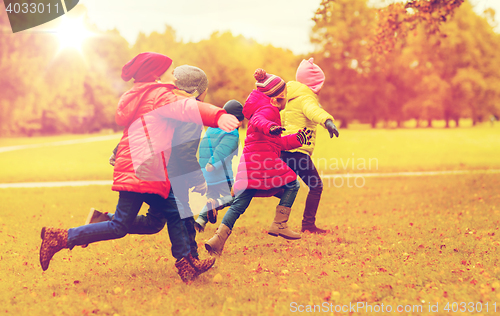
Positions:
(410, 243)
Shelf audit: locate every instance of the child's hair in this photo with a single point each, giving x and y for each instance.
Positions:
(191, 79)
(270, 85)
(235, 108)
(311, 75)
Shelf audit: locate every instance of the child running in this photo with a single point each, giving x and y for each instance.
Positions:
(150, 112)
(303, 109)
(260, 167)
(217, 150)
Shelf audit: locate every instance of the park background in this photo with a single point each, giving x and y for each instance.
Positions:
(384, 66)
(417, 225)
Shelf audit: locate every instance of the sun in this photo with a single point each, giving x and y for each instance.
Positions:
(71, 33)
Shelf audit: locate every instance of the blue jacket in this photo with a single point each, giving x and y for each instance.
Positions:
(218, 147)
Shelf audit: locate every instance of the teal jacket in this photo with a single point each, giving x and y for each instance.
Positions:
(218, 147)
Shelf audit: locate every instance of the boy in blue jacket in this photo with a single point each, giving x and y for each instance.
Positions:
(217, 150)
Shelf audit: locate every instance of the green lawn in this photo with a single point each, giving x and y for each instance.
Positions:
(355, 151)
(395, 241)
(412, 242)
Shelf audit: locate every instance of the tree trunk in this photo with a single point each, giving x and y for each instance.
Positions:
(456, 121)
(429, 123)
(374, 122)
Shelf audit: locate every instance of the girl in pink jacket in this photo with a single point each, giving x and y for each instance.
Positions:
(260, 169)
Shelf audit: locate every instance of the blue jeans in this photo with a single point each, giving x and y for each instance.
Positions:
(241, 202)
(215, 191)
(126, 221)
(182, 201)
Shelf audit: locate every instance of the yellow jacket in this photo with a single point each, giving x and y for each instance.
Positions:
(303, 110)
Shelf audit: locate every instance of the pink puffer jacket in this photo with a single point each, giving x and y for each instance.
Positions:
(150, 113)
(260, 166)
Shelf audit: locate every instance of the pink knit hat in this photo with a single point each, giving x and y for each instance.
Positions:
(146, 67)
(310, 74)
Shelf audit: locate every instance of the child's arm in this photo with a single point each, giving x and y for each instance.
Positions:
(313, 111)
(226, 147)
(261, 123)
(191, 110)
(298, 139)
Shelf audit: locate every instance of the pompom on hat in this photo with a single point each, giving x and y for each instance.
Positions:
(311, 75)
(191, 79)
(146, 67)
(270, 85)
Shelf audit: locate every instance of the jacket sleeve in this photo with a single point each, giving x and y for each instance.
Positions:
(261, 122)
(188, 109)
(290, 142)
(226, 148)
(313, 111)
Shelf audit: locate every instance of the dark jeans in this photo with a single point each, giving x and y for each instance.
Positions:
(215, 191)
(180, 187)
(304, 167)
(242, 201)
(126, 221)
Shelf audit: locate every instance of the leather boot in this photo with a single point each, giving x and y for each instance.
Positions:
(53, 240)
(313, 229)
(95, 217)
(186, 270)
(215, 245)
(279, 227)
(203, 265)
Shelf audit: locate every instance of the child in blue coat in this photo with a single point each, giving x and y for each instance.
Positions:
(217, 150)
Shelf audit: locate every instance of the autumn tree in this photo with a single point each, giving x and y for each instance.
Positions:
(340, 32)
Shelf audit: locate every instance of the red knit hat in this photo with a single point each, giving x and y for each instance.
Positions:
(311, 75)
(270, 85)
(146, 67)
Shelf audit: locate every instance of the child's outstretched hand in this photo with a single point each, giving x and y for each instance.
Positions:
(276, 130)
(227, 122)
(304, 135)
(332, 129)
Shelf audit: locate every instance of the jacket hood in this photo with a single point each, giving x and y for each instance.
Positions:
(296, 89)
(131, 100)
(255, 101)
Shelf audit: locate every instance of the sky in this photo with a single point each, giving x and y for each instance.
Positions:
(282, 23)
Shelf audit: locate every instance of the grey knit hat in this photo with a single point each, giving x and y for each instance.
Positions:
(191, 79)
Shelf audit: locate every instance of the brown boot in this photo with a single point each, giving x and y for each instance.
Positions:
(279, 227)
(53, 240)
(186, 270)
(201, 265)
(215, 245)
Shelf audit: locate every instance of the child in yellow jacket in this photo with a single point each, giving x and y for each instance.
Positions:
(303, 110)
